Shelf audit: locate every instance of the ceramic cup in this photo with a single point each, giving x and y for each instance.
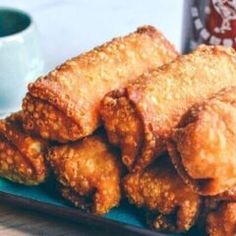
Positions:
(20, 57)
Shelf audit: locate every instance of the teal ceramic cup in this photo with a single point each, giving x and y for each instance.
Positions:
(20, 57)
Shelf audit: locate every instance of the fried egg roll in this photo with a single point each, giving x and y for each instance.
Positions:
(89, 173)
(203, 147)
(22, 157)
(64, 105)
(139, 119)
(170, 204)
(222, 221)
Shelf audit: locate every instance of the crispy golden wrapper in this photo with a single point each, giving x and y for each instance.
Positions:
(64, 105)
(140, 118)
(22, 157)
(203, 147)
(171, 205)
(228, 195)
(89, 173)
(222, 221)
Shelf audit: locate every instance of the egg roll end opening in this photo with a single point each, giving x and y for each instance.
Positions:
(22, 157)
(43, 118)
(89, 173)
(125, 129)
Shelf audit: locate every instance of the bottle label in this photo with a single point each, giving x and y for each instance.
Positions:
(218, 23)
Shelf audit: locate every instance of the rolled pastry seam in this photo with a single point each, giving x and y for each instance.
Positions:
(154, 104)
(203, 146)
(89, 173)
(22, 157)
(64, 105)
(170, 204)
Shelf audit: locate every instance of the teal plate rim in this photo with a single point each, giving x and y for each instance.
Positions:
(74, 215)
(26, 198)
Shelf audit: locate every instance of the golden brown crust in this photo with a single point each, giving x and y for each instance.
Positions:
(89, 173)
(77, 87)
(52, 123)
(228, 195)
(203, 146)
(124, 126)
(222, 221)
(21, 156)
(158, 99)
(171, 205)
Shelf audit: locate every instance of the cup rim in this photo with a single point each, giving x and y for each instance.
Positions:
(21, 32)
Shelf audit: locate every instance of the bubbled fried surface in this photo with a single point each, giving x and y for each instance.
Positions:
(48, 121)
(88, 171)
(162, 96)
(203, 148)
(171, 205)
(21, 156)
(77, 87)
(228, 195)
(123, 126)
(222, 221)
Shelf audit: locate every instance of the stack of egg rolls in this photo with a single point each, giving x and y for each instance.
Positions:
(151, 102)
(64, 105)
(202, 149)
(140, 118)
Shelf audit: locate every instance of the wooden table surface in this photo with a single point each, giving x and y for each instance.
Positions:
(18, 222)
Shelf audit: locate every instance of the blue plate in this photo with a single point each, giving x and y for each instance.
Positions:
(43, 198)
